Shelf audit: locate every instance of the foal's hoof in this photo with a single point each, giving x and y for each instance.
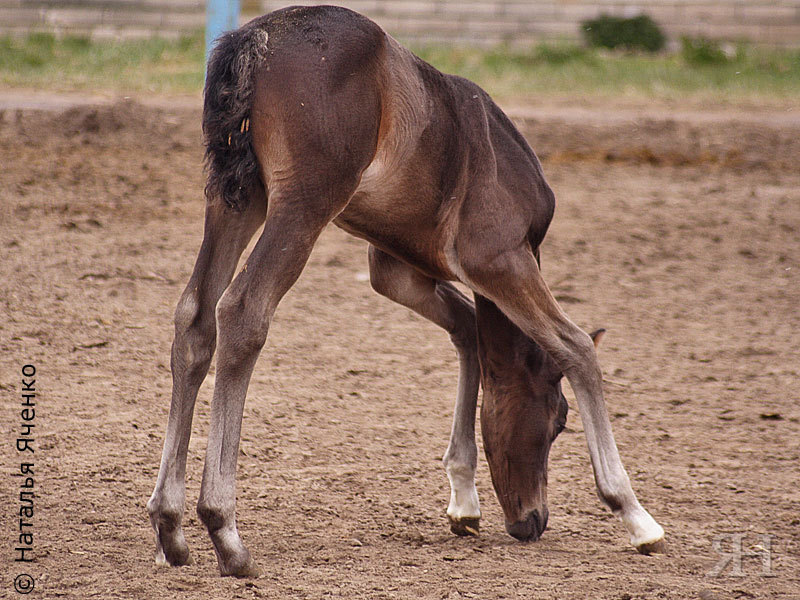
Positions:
(657, 547)
(465, 526)
(180, 558)
(246, 570)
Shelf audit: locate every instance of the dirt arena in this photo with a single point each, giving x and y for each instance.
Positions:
(681, 238)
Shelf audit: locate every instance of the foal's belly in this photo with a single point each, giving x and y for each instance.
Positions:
(404, 221)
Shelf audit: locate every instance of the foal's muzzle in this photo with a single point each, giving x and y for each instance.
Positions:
(530, 528)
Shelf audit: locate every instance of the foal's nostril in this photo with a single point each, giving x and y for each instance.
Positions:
(529, 528)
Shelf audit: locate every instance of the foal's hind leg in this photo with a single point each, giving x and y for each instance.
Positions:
(226, 235)
(442, 303)
(511, 278)
(293, 224)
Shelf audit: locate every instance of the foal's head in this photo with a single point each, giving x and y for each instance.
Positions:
(523, 412)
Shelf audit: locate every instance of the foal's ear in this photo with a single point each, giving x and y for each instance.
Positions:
(597, 336)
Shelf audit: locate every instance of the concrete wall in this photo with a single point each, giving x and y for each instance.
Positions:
(103, 18)
(469, 21)
(472, 21)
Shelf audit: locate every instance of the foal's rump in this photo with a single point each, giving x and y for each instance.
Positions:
(281, 95)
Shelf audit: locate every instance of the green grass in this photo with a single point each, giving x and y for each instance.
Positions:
(41, 60)
(568, 69)
(701, 71)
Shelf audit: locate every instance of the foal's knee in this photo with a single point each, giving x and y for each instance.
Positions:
(464, 337)
(380, 282)
(578, 356)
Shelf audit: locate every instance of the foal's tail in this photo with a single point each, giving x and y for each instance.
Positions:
(232, 165)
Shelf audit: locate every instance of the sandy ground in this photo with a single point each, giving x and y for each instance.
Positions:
(680, 237)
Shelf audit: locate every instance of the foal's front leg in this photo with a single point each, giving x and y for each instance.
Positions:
(441, 303)
(513, 281)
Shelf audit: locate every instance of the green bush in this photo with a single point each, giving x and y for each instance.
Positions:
(637, 33)
(702, 51)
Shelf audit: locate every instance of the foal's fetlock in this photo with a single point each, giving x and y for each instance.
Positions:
(647, 536)
(238, 565)
(233, 558)
(171, 546)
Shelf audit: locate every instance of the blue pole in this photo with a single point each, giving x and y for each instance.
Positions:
(221, 16)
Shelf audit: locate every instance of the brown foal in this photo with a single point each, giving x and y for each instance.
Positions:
(313, 115)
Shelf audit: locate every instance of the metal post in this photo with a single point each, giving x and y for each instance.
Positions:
(221, 16)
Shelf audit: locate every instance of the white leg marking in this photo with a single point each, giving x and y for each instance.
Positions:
(642, 527)
(464, 502)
